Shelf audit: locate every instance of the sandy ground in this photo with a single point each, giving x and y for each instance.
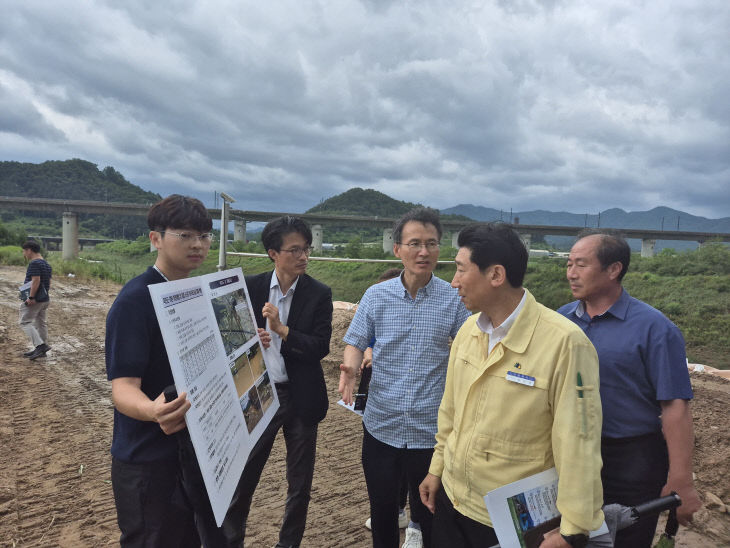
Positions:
(56, 428)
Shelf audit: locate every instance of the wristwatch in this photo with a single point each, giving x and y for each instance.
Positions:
(576, 541)
(31, 298)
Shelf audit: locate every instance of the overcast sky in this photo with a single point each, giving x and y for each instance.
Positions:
(565, 106)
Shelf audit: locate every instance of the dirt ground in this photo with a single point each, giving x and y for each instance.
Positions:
(56, 429)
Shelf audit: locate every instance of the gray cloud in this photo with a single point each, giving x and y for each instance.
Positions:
(561, 105)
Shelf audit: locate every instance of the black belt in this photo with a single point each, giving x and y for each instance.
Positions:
(632, 439)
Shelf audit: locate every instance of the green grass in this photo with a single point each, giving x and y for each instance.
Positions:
(691, 288)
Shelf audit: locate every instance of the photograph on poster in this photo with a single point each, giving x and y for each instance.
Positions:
(266, 391)
(242, 376)
(248, 369)
(252, 412)
(234, 322)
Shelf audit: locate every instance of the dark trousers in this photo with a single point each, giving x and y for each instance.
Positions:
(452, 529)
(383, 465)
(403, 492)
(211, 536)
(634, 471)
(301, 446)
(151, 508)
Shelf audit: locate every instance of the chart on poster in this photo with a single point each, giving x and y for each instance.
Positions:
(216, 357)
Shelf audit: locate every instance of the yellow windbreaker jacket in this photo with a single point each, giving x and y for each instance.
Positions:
(492, 431)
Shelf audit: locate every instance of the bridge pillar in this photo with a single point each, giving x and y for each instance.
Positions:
(70, 236)
(317, 238)
(388, 241)
(239, 230)
(647, 247)
(455, 239)
(527, 240)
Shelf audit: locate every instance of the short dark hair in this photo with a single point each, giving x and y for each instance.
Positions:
(32, 245)
(178, 211)
(272, 236)
(389, 274)
(424, 215)
(612, 248)
(496, 243)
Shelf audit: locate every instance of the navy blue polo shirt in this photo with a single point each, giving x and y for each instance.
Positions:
(642, 362)
(40, 268)
(134, 348)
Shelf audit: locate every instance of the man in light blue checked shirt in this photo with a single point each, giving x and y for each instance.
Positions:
(411, 318)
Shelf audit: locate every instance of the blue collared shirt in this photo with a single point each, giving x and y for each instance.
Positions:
(642, 362)
(410, 357)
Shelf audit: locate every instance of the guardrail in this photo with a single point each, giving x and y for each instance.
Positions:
(331, 259)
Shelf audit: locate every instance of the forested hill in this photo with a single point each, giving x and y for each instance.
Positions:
(358, 201)
(70, 180)
(370, 203)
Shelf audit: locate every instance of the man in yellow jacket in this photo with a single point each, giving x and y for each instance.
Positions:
(521, 397)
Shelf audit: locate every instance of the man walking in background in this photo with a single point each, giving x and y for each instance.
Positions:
(33, 310)
(647, 437)
(411, 317)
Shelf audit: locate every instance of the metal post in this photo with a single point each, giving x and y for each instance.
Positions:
(226, 199)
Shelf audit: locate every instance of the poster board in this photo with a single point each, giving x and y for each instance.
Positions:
(216, 357)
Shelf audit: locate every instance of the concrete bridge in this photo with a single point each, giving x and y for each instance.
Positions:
(70, 209)
(57, 241)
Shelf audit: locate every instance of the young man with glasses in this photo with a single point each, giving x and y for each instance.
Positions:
(411, 318)
(296, 310)
(151, 510)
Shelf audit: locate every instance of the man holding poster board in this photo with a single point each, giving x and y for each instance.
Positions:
(521, 396)
(151, 510)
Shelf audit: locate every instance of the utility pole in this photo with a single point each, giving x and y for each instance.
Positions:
(226, 199)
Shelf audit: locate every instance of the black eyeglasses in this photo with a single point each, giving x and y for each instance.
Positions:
(299, 251)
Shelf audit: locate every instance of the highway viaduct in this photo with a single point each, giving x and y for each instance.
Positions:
(70, 209)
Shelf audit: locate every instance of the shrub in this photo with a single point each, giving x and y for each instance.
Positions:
(12, 237)
(12, 255)
(140, 246)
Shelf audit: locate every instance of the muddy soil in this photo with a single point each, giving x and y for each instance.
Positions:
(56, 429)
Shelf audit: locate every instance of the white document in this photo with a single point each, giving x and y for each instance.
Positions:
(351, 407)
(216, 357)
(523, 511)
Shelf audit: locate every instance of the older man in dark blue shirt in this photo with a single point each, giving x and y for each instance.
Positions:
(647, 437)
